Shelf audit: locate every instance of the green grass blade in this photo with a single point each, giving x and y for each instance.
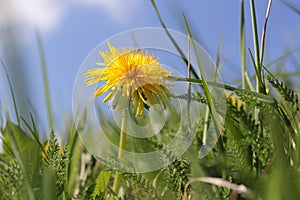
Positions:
(12, 92)
(256, 69)
(255, 32)
(23, 146)
(218, 57)
(172, 39)
(263, 36)
(243, 45)
(45, 80)
(189, 76)
(246, 83)
(262, 97)
(259, 87)
(33, 123)
(33, 131)
(74, 156)
(204, 83)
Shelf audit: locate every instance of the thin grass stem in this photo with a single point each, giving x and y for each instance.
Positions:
(118, 177)
(243, 45)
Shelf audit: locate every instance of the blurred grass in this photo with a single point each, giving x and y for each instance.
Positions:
(45, 80)
(292, 6)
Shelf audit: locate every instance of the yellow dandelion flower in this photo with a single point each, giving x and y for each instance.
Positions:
(133, 75)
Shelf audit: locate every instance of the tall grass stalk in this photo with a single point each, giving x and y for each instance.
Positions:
(257, 63)
(243, 45)
(45, 80)
(263, 36)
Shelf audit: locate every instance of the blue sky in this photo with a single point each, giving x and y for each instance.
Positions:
(71, 30)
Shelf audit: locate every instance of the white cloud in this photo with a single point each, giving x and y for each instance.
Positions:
(46, 15)
(121, 11)
(43, 14)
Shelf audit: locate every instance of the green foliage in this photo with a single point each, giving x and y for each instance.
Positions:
(197, 96)
(140, 187)
(98, 190)
(55, 158)
(177, 175)
(288, 94)
(28, 171)
(11, 179)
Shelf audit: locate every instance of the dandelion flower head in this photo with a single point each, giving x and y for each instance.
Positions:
(131, 76)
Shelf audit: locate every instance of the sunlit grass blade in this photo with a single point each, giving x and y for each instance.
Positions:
(255, 33)
(172, 39)
(243, 45)
(11, 92)
(209, 99)
(205, 85)
(45, 80)
(259, 86)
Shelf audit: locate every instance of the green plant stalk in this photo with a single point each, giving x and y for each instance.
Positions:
(74, 152)
(204, 81)
(45, 81)
(118, 177)
(257, 65)
(189, 76)
(242, 45)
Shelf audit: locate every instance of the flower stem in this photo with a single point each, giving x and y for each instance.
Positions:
(118, 177)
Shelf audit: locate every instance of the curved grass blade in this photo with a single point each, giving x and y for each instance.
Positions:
(263, 36)
(215, 118)
(33, 131)
(172, 39)
(262, 97)
(12, 92)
